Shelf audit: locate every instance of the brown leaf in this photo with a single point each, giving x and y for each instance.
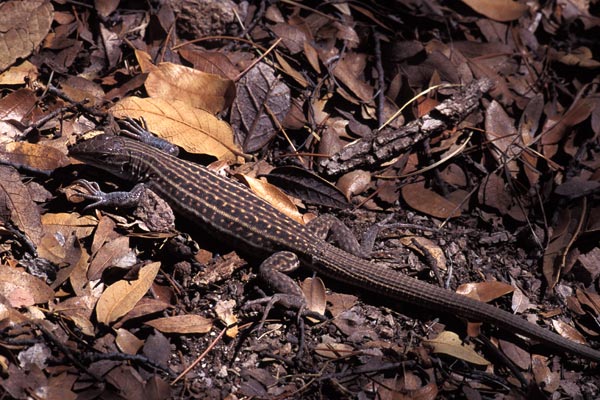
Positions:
(106, 7)
(347, 70)
(110, 254)
(501, 132)
(333, 350)
(580, 57)
(498, 10)
(120, 297)
(105, 232)
(314, 292)
(80, 89)
(19, 74)
(557, 127)
(212, 62)
(34, 157)
(67, 223)
(224, 310)
(354, 182)
(568, 332)
(16, 203)
(22, 289)
(423, 245)
(82, 323)
(193, 129)
(516, 354)
(291, 36)
(198, 89)
(288, 69)
(15, 106)
(340, 302)
(23, 25)
(127, 342)
(143, 308)
(183, 324)
(429, 202)
(493, 193)
(262, 103)
(544, 377)
(485, 291)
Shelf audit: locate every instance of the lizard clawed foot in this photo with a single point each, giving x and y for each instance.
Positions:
(288, 293)
(91, 191)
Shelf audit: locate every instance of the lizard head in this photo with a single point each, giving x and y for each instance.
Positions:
(109, 153)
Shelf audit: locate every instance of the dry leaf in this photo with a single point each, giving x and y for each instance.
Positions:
(224, 310)
(212, 62)
(22, 289)
(333, 350)
(501, 132)
(273, 196)
(449, 343)
(120, 297)
(127, 342)
(16, 203)
(83, 323)
(198, 89)
(567, 331)
(143, 308)
(498, 10)
(429, 202)
(544, 377)
(423, 245)
(195, 130)
(19, 74)
(111, 254)
(314, 292)
(23, 26)
(183, 324)
(15, 107)
(485, 291)
(261, 105)
(516, 354)
(34, 157)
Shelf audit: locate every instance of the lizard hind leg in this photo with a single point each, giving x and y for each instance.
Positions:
(331, 229)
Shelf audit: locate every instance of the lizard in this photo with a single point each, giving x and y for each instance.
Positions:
(234, 214)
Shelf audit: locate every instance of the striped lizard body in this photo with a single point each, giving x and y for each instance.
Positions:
(233, 213)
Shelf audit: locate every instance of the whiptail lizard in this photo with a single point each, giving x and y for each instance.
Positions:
(254, 227)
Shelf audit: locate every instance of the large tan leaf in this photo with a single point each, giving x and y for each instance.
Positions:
(198, 89)
(120, 297)
(193, 129)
